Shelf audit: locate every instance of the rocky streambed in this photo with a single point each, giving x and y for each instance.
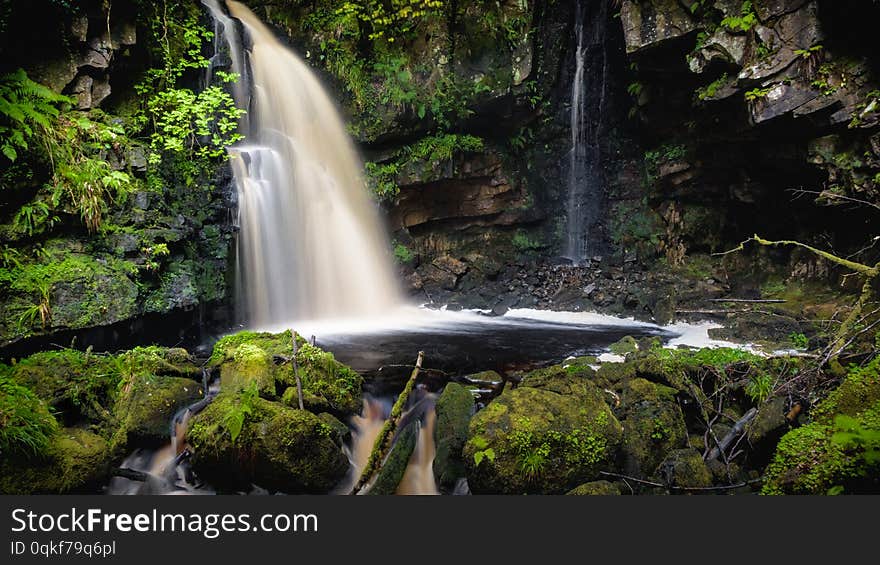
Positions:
(657, 420)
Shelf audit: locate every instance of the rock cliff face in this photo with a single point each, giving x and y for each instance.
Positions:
(162, 249)
(755, 116)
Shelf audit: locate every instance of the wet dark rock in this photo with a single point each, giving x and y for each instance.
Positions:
(454, 409)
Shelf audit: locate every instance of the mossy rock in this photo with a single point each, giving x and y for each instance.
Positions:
(684, 468)
(613, 374)
(394, 467)
(548, 435)
(768, 426)
(485, 377)
(624, 346)
(653, 425)
(264, 358)
(454, 409)
(74, 383)
(859, 391)
(148, 403)
(822, 457)
(595, 488)
(278, 448)
(75, 460)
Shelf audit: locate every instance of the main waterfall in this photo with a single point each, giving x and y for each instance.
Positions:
(311, 244)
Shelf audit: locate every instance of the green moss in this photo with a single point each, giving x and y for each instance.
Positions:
(147, 405)
(549, 434)
(77, 384)
(653, 425)
(624, 346)
(278, 448)
(454, 410)
(858, 392)
(595, 488)
(74, 459)
(819, 456)
(263, 358)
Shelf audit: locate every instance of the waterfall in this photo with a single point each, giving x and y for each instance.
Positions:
(311, 244)
(585, 190)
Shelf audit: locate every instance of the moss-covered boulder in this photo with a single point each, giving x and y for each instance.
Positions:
(684, 468)
(242, 439)
(148, 403)
(548, 435)
(75, 460)
(839, 451)
(595, 488)
(653, 425)
(454, 408)
(75, 384)
(264, 359)
(624, 346)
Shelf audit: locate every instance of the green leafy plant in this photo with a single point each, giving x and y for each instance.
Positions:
(484, 452)
(241, 409)
(756, 94)
(745, 21)
(799, 340)
(26, 425)
(711, 90)
(27, 112)
(402, 253)
(760, 387)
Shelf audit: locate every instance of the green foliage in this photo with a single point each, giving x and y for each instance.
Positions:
(483, 452)
(799, 340)
(711, 90)
(745, 21)
(523, 242)
(433, 149)
(402, 253)
(27, 112)
(757, 94)
(809, 52)
(240, 409)
(26, 425)
(851, 434)
(381, 178)
(389, 21)
(760, 387)
(195, 128)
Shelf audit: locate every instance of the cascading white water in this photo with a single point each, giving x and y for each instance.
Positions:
(311, 244)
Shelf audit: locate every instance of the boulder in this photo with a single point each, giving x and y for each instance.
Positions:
(684, 468)
(76, 460)
(278, 448)
(651, 23)
(653, 425)
(264, 359)
(148, 403)
(595, 488)
(454, 409)
(551, 433)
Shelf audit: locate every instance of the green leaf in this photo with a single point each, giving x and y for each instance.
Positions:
(478, 458)
(490, 454)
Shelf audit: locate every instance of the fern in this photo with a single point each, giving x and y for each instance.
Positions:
(27, 110)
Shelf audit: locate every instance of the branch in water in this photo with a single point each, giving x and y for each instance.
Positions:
(383, 440)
